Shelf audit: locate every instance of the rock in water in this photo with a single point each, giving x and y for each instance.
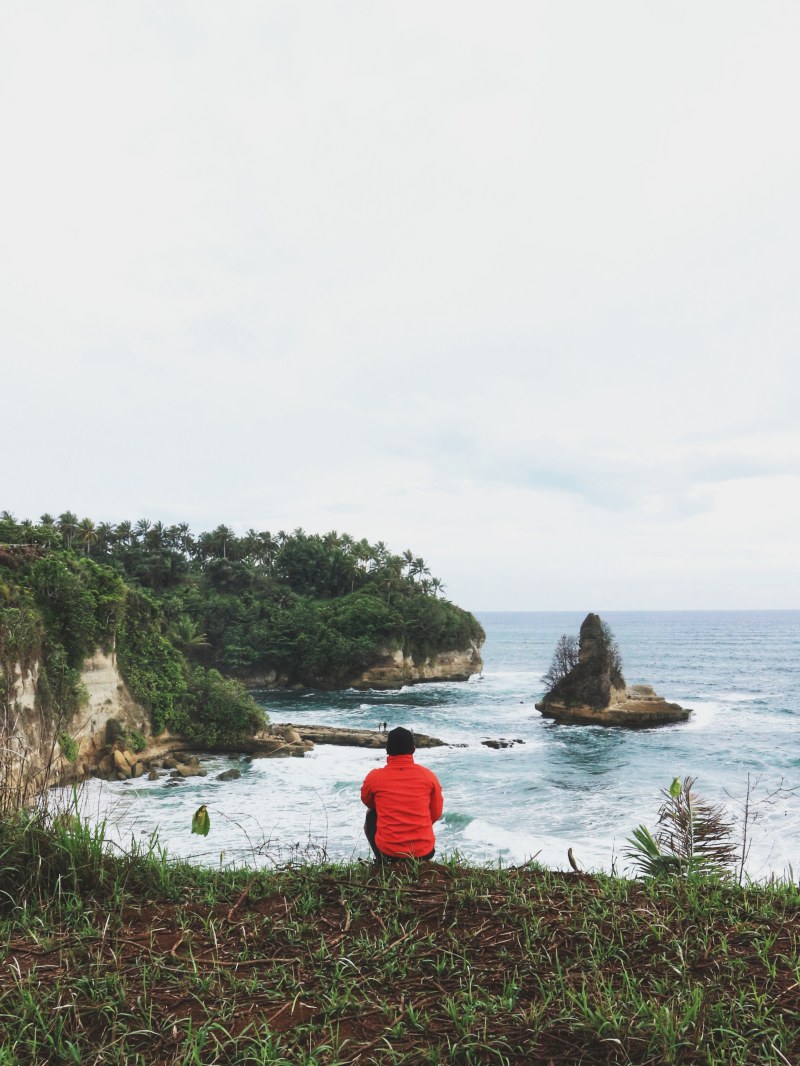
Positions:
(594, 691)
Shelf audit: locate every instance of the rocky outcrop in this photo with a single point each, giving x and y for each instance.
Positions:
(594, 691)
(355, 738)
(639, 706)
(395, 669)
(109, 712)
(392, 669)
(41, 750)
(595, 681)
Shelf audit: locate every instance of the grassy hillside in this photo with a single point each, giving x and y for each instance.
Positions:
(130, 959)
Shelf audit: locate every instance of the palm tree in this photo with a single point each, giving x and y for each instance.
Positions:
(185, 634)
(184, 538)
(124, 532)
(155, 536)
(87, 534)
(222, 536)
(105, 535)
(250, 546)
(391, 576)
(68, 527)
(419, 567)
(266, 549)
(46, 520)
(142, 526)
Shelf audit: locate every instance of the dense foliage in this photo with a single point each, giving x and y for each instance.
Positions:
(183, 611)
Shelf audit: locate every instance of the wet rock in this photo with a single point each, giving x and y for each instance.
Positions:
(152, 776)
(229, 775)
(189, 770)
(356, 738)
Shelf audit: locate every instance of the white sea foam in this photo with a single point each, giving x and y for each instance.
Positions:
(576, 786)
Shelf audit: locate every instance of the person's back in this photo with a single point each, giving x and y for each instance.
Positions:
(404, 800)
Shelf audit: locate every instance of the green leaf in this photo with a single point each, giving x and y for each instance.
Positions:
(201, 823)
(675, 787)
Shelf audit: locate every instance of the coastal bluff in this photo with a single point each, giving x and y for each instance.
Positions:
(391, 669)
(593, 691)
(395, 669)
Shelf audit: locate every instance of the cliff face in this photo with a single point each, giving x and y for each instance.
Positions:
(33, 758)
(392, 670)
(396, 669)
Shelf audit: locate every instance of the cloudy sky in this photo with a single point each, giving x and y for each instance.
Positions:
(514, 285)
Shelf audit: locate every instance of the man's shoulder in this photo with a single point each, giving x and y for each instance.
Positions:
(427, 772)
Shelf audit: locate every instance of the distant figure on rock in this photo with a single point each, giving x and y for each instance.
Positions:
(403, 801)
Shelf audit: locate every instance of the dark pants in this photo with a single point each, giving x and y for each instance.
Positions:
(371, 828)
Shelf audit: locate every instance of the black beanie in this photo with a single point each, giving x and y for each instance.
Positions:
(400, 742)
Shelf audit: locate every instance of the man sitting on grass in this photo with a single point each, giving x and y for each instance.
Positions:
(404, 800)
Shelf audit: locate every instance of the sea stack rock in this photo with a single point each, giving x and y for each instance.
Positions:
(593, 692)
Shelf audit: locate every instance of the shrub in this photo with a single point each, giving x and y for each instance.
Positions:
(218, 710)
(694, 836)
(565, 659)
(69, 747)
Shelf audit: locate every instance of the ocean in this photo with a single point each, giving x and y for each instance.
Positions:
(561, 786)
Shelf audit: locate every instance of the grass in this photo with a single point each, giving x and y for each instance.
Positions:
(132, 958)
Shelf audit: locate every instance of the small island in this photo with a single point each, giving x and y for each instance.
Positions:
(587, 687)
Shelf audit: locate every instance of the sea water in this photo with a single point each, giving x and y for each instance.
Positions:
(559, 786)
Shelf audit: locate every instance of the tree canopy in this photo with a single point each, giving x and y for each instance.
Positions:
(188, 612)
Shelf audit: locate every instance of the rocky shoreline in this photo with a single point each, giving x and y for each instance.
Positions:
(117, 762)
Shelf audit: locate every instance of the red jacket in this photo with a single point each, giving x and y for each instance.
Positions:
(408, 800)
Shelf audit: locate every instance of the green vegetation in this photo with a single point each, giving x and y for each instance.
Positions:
(693, 836)
(69, 748)
(312, 609)
(133, 959)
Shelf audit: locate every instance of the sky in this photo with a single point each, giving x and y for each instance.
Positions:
(514, 285)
